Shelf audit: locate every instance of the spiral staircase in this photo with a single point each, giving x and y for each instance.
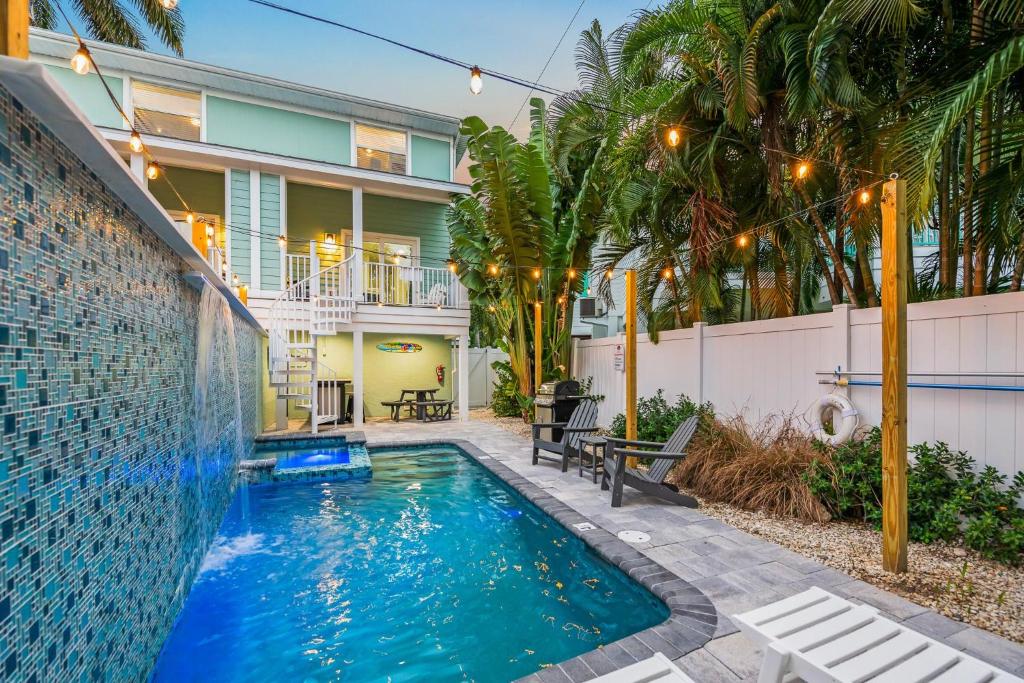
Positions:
(314, 306)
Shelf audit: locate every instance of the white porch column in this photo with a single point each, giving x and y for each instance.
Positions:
(357, 241)
(357, 378)
(138, 163)
(463, 377)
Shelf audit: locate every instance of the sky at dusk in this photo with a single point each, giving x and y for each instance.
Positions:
(512, 37)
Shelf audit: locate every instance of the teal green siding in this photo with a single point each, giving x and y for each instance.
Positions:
(88, 93)
(409, 218)
(431, 158)
(314, 210)
(241, 241)
(270, 228)
(277, 131)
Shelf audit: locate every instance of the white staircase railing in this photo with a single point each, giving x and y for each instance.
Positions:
(312, 306)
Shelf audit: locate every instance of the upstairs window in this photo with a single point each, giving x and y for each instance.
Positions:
(380, 149)
(167, 111)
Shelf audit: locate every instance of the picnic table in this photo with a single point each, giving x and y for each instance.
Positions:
(421, 396)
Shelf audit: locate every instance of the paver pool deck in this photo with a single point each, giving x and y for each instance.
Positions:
(736, 571)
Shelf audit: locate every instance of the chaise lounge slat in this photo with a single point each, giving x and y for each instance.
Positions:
(656, 669)
(822, 638)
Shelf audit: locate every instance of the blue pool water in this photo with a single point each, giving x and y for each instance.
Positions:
(312, 457)
(432, 570)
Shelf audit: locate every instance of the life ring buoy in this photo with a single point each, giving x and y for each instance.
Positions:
(844, 429)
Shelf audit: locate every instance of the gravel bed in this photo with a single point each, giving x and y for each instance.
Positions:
(952, 580)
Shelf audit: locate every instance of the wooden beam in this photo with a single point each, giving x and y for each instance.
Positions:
(894, 376)
(630, 359)
(538, 347)
(14, 28)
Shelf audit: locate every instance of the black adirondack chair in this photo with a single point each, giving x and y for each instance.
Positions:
(652, 481)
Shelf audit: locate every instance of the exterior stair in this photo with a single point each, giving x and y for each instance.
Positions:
(315, 306)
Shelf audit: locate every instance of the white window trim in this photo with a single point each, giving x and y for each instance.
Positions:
(408, 144)
(186, 87)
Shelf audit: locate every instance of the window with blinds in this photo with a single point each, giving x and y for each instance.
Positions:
(380, 149)
(167, 111)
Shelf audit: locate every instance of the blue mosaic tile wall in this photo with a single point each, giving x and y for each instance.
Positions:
(106, 507)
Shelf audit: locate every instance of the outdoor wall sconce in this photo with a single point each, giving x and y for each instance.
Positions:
(330, 239)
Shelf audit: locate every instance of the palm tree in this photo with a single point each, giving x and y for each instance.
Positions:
(521, 239)
(111, 22)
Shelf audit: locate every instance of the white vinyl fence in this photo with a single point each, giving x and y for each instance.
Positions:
(768, 367)
(482, 375)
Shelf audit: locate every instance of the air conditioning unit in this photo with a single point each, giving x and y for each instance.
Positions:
(591, 307)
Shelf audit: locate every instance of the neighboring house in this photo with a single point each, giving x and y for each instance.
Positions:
(327, 210)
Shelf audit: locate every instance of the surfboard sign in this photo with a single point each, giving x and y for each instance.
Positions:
(399, 347)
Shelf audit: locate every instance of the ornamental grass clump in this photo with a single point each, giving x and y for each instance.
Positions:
(754, 467)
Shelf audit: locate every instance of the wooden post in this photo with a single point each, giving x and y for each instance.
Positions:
(14, 28)
(630, 359)
(538, 347)
(894, 376)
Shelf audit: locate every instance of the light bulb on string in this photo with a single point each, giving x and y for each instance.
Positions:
(282, 241)
(609, 273)
(135, 143)
(491, 308)
(153, 170)
(803, 170)
(452, 267)
(81, 63)
(476, 80)
(190, 218)
(572, 273)
(536, 273)
(742, 241)
(492, 269)
(209, 229)
(673, 136)
(667, 273)
(168, 4)
(864, 196)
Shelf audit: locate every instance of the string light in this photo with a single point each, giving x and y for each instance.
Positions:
(234, 278)
(803, 169)
(561, 299)
(190, 218)
(572, 273)
(476, 80)
(673, 136)
(491, 308)
(609, 273)
(492, 269)
(667, 273)
(452, 266)
(135, 143)
(864, 196)
(209, 230)
(742, 241)
(81, 62)
(153, 170)
(536, 273)
(282, 241)
(168, 4)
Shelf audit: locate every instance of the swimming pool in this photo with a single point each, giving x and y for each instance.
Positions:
(434, 569)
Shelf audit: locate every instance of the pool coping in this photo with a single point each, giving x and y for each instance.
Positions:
(692, 617)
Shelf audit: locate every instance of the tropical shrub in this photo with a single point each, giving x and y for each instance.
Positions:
(754, 467)
(507, 401)
(656, 418)
(946, 498)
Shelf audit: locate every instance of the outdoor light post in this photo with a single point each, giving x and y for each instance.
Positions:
(630, 360)
(14, 28)
(894, 375)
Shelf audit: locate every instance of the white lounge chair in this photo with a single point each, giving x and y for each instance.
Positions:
(822, 638)
(658, 668)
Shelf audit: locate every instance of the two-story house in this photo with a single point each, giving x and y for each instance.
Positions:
(326, 210)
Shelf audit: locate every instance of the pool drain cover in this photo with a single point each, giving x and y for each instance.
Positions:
(585, 526)
(630, 536)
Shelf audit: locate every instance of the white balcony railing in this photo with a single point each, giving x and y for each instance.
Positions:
(398, 285)
(384, 284)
